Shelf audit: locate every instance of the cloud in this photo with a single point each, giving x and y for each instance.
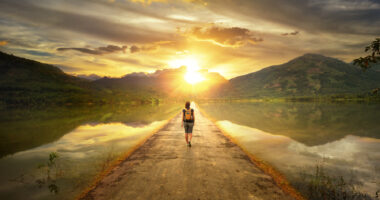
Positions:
(148, 2)
(312, 16)
(291, 33)
(97, 51)
(89, 25)
(2, 43)
(224, 36)
(135, 48)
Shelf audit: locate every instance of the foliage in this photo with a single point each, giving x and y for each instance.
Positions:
(29, 83)
(374, 57)
(310, 75)
(322, 185)
(49, 178)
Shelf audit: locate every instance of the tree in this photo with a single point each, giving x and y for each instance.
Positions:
(374, 57)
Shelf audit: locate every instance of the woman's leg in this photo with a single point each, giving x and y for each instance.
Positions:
(191, 130)
(186, 137)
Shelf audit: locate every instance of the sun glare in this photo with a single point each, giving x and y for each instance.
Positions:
(192, 75)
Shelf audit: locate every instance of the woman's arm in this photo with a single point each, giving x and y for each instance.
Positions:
(183, 118)
(193, 117)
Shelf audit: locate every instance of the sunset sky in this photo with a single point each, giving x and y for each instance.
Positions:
(232, 37)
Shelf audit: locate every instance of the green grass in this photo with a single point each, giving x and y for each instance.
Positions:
(322, 185)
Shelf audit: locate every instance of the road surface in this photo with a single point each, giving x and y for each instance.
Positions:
(165, 168)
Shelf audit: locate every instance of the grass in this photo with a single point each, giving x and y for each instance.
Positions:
(322, 185)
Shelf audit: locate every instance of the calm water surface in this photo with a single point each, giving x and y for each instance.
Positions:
(295, 138)
(86, 140)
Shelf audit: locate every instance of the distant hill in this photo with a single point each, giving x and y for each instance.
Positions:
(24, 81)
(90, 77)
(164, 82)
(307, 75)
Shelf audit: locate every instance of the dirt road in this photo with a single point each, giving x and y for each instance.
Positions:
(165, 168)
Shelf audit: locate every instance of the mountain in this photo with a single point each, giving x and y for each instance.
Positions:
(24, 81)
(307, 75)
(166, 82)
(91, 77)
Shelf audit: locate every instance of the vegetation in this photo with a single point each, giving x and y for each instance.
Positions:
(374, 57)
(52, 173)
(322, 185)
(311, 76)
(29, 83)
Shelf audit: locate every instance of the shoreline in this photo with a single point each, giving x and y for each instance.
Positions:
(117, 161)
(278, 177)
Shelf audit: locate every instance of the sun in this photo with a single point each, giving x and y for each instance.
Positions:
(192, 75)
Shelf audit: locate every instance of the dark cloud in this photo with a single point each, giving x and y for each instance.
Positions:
(331, 16)
(97, 51)
(291, 33)
(135, 48)
(79, 23)
(224, 36)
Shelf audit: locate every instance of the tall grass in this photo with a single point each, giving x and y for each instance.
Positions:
(321, 185)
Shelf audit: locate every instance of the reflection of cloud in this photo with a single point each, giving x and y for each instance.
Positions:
(347, 156)
(97, 51)
(231, 37)
(2, 43)
(291, 33)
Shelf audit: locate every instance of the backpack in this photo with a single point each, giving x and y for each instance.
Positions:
(188, 114)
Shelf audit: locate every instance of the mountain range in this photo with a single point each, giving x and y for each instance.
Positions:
(307, 75)
(23, 81)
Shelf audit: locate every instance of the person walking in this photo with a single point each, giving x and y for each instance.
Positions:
(188, 120)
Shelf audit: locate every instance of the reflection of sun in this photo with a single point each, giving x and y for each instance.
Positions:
(192, 75)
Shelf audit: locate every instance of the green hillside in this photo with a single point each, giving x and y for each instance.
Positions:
(307, 75)
(28, 82)
(24, 81)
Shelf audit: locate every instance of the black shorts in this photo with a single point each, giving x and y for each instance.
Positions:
(188, 127)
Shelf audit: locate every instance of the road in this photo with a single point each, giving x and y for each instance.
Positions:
(165, 168)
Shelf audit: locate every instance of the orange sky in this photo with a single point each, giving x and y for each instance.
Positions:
(116, 37)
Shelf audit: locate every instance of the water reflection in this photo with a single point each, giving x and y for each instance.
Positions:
(308, 123)
(294, 138)
(87, 140)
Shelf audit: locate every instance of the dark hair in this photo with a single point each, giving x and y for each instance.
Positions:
(187, 104)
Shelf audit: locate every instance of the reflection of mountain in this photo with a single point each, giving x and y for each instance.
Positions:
(307, 75)
(310, 124)
(25, 129)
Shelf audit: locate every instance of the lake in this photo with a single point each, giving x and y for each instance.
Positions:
(312, 144)
(86, 140)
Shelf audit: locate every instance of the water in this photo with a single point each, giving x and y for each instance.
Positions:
(86, 140)
(295, 138)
